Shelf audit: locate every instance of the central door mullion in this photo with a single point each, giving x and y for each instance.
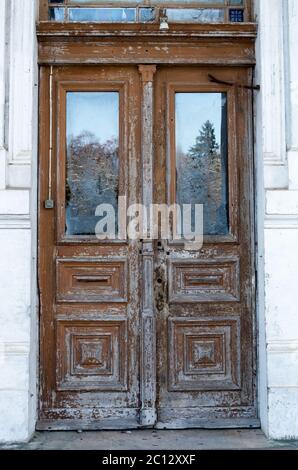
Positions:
(148, 415)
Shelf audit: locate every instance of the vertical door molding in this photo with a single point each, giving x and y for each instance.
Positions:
(148, 414)
(272, 37)
(3, 92)
(292, 97)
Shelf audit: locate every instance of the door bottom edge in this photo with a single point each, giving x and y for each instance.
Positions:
(119, 424)
(249, 423)
(75, 425)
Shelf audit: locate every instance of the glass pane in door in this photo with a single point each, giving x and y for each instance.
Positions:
(92, 165)
(201, 156)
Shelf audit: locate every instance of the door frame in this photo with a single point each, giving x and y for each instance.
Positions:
(222, 45)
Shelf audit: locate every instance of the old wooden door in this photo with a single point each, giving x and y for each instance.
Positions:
(205, 299)
(89, 291)
(145, 332)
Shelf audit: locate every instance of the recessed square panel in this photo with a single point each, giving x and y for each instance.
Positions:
(92, 355)
(204, 354)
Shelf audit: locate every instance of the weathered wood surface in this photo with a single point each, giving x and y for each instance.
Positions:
(89, 290)
(148, 414)
(226, 44)
(205, 299)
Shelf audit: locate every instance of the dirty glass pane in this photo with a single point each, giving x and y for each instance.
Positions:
(105, 2)
(103, 15)
(143, 11)
(192, 15)
(236, 15)
(147, 14)
(92, 166)
(201, 156)
(154, 2)
(56, 14)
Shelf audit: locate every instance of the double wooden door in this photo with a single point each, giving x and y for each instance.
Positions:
(150, 331)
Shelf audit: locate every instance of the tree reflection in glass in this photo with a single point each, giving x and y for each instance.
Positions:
(201, 156)
(92, 168)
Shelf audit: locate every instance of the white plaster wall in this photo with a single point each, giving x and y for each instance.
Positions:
(277, 203)
(15, 314)
(259, 233)
(18, 137)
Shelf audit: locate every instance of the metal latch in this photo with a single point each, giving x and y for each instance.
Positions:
(49, 204)
(236, 84)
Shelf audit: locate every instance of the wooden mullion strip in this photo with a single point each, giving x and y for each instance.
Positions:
(249, 10)
(43, 10)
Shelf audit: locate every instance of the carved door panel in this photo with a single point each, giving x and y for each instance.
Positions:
(89, 289)
(205, 299)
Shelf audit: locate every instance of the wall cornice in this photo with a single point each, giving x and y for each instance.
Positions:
(47, 29)
(278, 221)
(15, 222)
(279, 346)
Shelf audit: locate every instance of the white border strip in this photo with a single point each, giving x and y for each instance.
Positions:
(15, 222)
(277, 221)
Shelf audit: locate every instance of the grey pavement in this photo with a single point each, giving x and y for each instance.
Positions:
(154, 440)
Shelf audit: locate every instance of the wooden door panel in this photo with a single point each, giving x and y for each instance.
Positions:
(205, 298)
(92, 357)
(89, 288)
(203, 354)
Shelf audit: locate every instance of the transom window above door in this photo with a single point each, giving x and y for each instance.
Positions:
(147, 11)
